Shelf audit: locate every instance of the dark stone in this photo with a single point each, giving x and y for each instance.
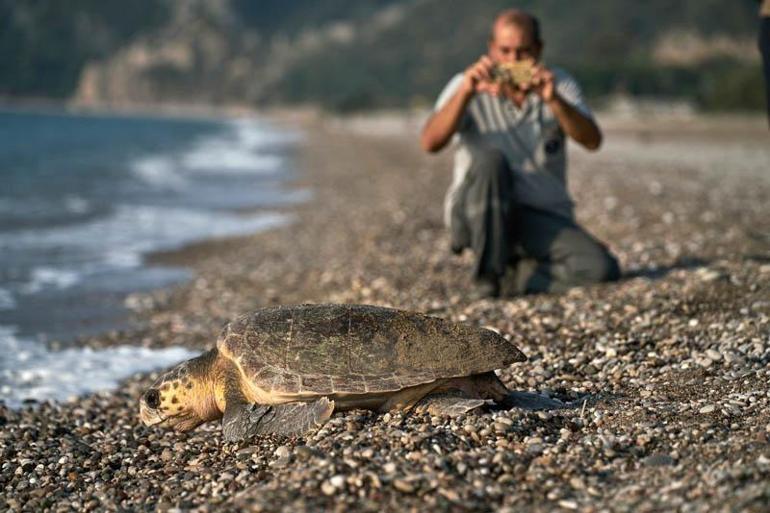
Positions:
(659, 460)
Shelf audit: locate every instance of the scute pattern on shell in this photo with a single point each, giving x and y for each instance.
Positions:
(357, 349)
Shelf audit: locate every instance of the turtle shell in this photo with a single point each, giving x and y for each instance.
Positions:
(357, 349)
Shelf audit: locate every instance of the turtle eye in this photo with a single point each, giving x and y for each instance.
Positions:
(152, 398)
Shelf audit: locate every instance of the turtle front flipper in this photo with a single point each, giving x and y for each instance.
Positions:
(243, 420)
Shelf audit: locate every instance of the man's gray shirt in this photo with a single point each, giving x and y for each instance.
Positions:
(530, 138)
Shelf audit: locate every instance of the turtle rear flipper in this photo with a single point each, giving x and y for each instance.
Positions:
(242, 420)
(450, 404)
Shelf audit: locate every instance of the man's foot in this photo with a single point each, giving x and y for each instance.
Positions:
(510, 285)
(485, 287)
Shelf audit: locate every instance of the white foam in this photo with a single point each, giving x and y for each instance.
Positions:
(160, 172)
(242, 147)
(76, 204)
(258, 135)
(221, 157)
(50, 278)
(7, 302)
(121, 240)
(28, 370)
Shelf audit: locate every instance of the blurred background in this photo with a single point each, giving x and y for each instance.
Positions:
(90, 194)
(348, 55)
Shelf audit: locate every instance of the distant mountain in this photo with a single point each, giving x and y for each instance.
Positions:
(350, 54)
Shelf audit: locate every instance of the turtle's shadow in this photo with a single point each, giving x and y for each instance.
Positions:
(532, 401)
(535, 401)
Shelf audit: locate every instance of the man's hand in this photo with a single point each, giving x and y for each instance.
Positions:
(542, 83)
(478, 78)
(575, 124)
(442, 125)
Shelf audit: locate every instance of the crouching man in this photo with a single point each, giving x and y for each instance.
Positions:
(509, 201)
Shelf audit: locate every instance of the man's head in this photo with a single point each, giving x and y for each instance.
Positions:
(515, 37)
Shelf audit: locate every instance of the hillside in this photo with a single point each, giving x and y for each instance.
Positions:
(350, 54)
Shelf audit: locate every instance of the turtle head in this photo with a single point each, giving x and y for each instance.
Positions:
(183, 397)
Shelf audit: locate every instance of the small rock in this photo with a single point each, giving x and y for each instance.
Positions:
(450, 494)
(404, 486)
(304, 453)
(504, 420)
(282, 452)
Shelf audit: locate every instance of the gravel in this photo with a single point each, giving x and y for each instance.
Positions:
(663, 376)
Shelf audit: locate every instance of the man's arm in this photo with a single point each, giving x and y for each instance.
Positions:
(443, 124)
(575, 124)
(578, 126)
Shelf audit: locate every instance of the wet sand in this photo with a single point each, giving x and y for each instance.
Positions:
(664, 373)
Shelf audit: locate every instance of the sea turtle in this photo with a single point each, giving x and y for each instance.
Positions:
(285, 369)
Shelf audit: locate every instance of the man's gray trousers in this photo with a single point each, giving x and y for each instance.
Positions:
(529, 250)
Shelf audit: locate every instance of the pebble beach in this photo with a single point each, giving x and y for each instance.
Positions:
(662, 378)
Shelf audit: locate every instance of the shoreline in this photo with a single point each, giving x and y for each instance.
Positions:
(671, 363)
(280, 115)
(753, 123)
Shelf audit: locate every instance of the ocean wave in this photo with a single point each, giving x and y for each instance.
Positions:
(77, 220)
(141, 229)
(121, 240)
(30, 371)
(244, 147)
(77, 205)
(160, 172)
(7, 301)
(258, 135)
(50, 278)
(223, 156)
(28, 212)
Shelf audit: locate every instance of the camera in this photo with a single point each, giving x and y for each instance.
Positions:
(515, 73)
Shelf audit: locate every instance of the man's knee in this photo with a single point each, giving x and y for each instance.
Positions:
(489, 163)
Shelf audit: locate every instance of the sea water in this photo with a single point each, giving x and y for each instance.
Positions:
(84, 199)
